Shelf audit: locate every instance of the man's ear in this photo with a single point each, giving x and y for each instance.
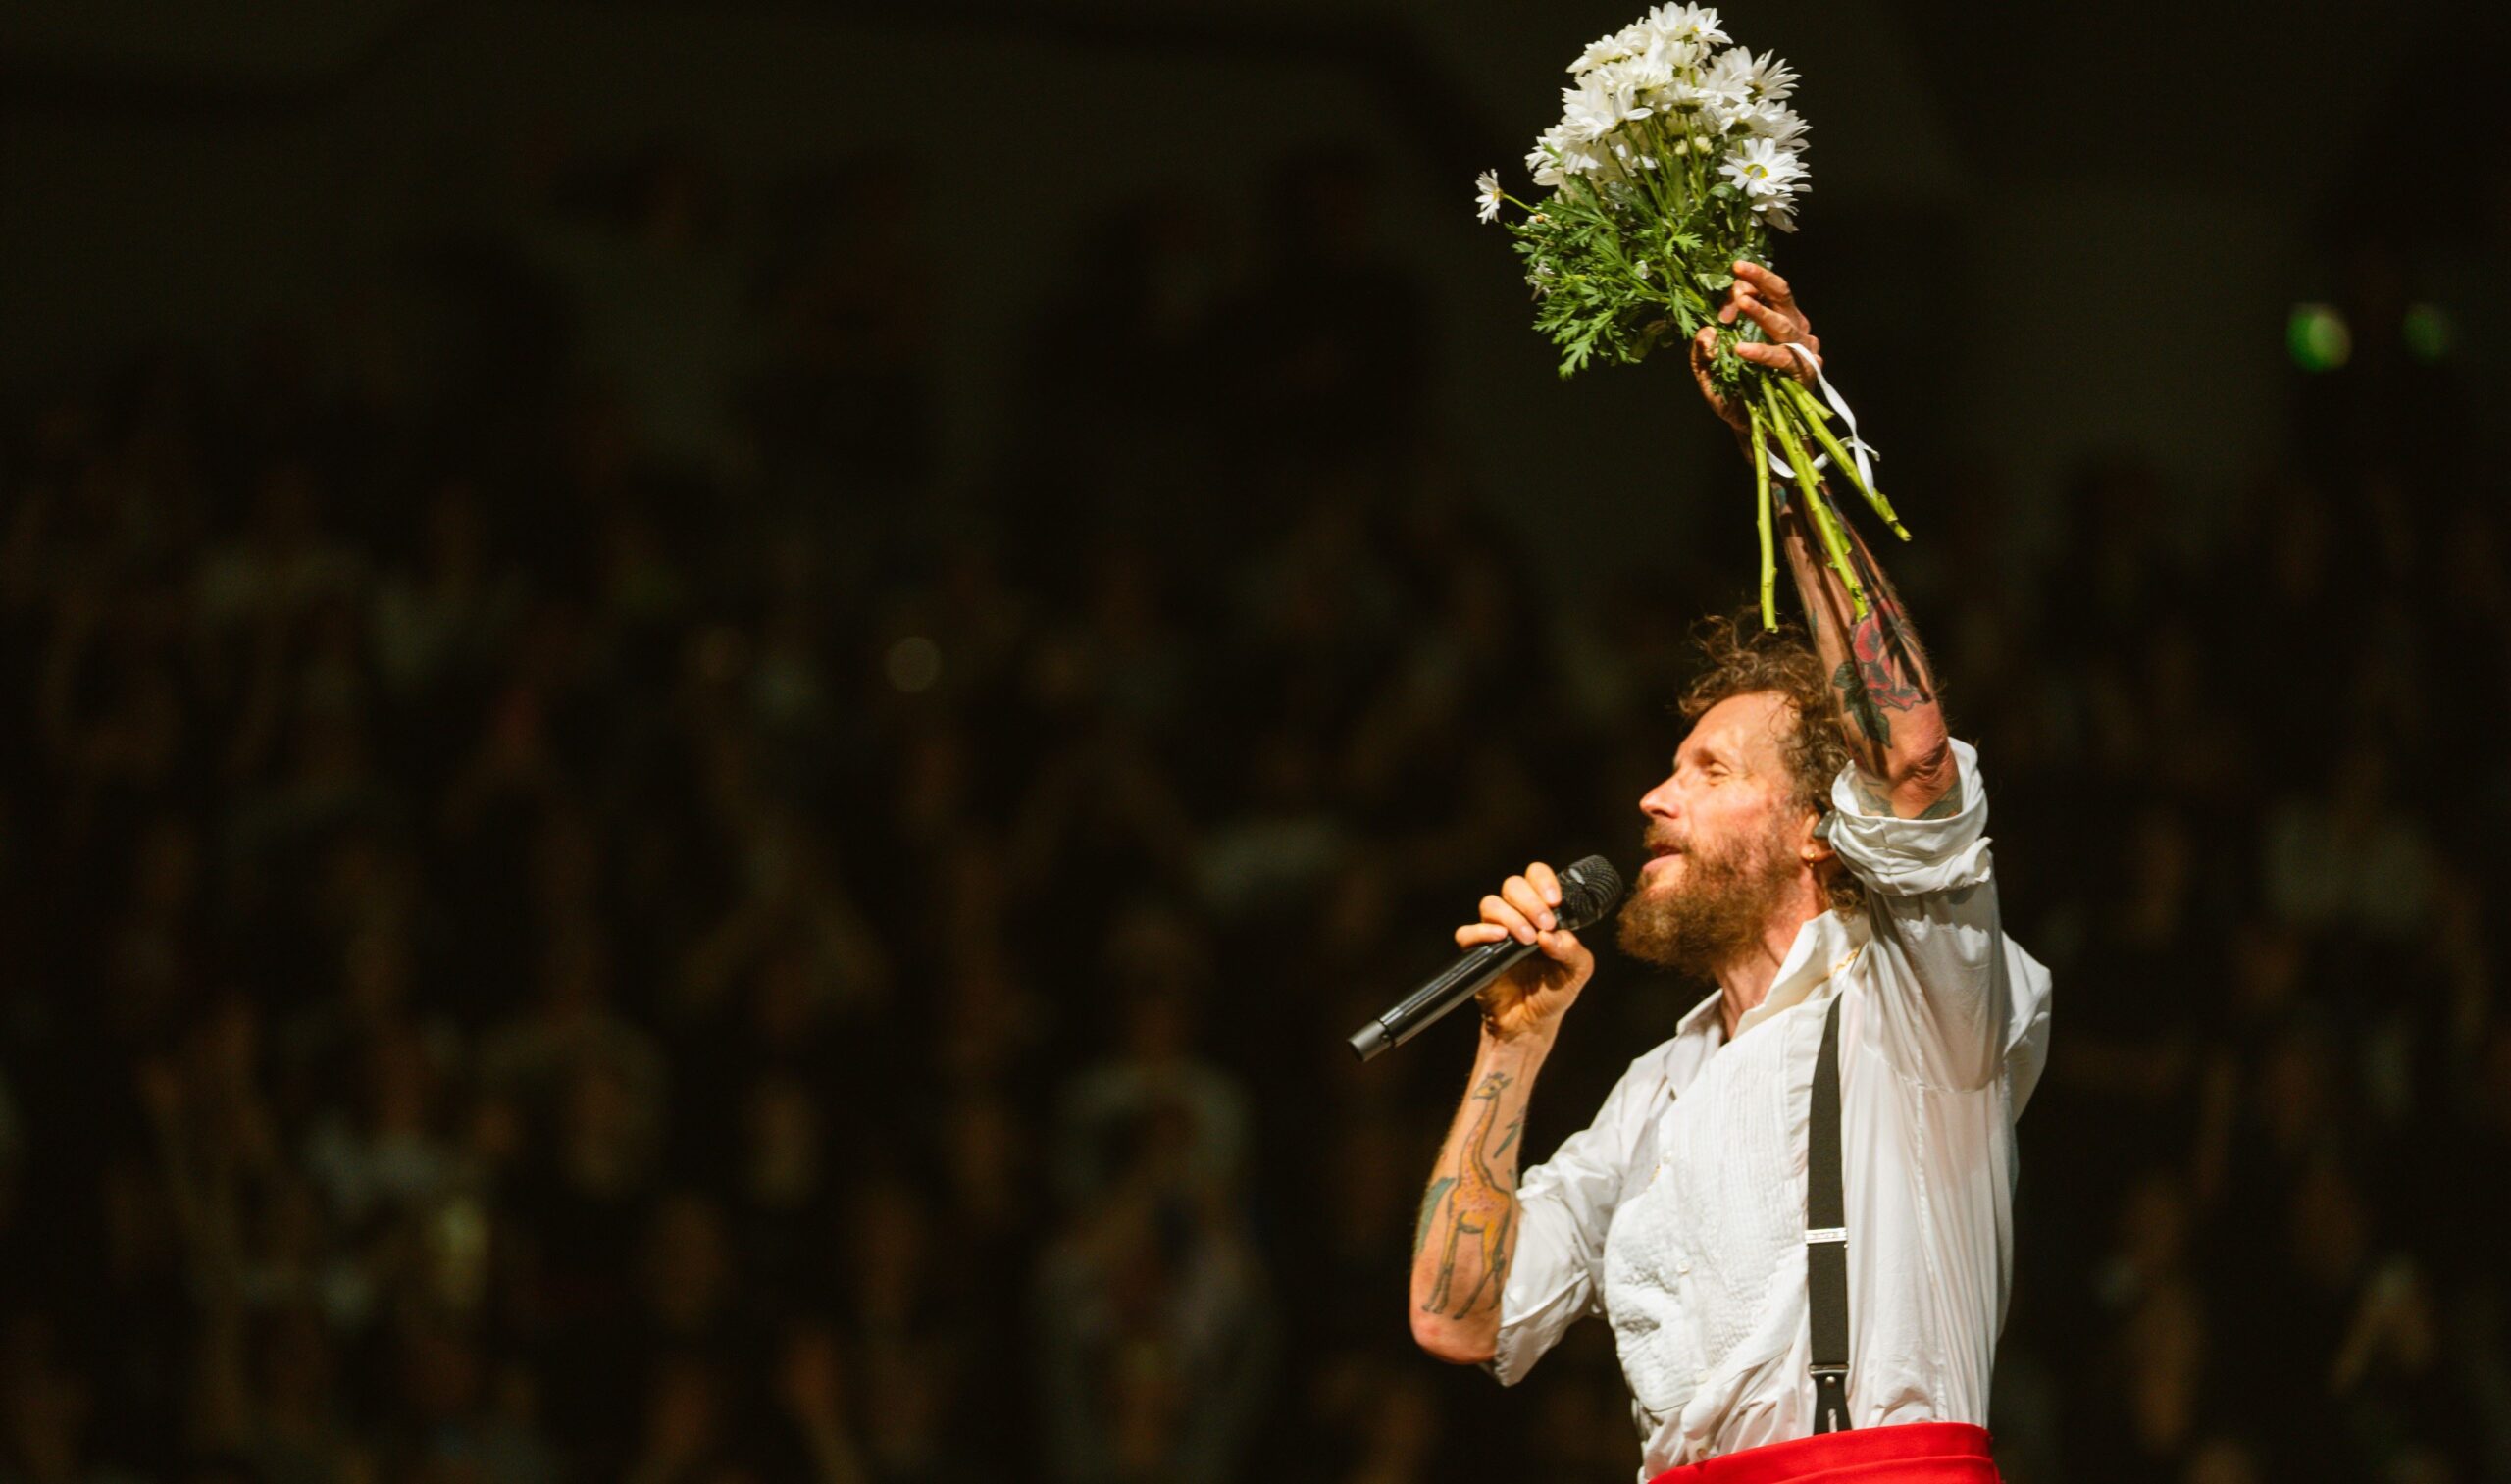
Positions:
(1813, 845)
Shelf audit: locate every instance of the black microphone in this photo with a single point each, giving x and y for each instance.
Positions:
(1588, 891)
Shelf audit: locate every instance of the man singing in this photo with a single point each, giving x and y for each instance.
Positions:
(1797, 1215)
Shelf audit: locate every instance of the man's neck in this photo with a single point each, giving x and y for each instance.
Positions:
(1745, 982)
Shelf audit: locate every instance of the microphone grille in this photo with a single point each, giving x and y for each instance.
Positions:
(1588, 891)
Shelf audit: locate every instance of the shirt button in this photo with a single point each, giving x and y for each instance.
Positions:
(1683, 1268)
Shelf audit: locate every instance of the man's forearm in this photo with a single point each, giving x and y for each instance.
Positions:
(1880, 679)
(1468, 1233)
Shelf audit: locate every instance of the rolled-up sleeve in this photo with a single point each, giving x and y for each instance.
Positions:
(1946, 1002)
(1564, 1206)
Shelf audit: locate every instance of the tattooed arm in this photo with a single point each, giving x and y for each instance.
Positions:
(1879, 677)
(1468, 1233)
(1959, 1005)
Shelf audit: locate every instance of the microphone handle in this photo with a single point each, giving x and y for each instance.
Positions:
(1461, 979)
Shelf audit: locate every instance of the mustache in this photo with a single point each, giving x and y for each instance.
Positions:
(1660, 837)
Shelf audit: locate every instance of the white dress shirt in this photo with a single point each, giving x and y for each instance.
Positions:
(1679, 1213)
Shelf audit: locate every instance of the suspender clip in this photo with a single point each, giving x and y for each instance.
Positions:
(1830, 1399)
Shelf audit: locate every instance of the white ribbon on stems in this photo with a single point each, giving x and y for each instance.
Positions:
(1858, 448)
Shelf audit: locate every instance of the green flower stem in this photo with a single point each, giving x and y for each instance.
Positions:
(1816, 509)
(1816, 421)
(1760, 516)
(1666, 207)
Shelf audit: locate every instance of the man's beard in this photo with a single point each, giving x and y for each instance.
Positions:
(1714, 915)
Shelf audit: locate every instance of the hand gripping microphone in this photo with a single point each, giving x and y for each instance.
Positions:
(1588, 891)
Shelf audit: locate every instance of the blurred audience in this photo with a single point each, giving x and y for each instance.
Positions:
(577, 915)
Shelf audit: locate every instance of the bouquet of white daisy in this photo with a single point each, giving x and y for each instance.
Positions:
(1676, 156)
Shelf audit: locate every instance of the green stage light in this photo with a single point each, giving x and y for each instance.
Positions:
(2316, 336)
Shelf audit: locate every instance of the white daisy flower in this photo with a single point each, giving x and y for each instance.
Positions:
(1723, 93)
(1545, 167)
(1561, 154)
(1601, 50)
(1670, 51)
(1772, 79)
(1596, 109)
(1778, 124)
(1698, 100)
(1764, 79)
(1693, 26)
(1556, 157)
(1639, 76)
(1486, 191)
(1763, 170)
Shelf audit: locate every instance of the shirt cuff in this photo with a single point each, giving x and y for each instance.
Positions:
(1907, 857)
(1527, 1329)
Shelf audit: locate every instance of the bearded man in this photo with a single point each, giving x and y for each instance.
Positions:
(1797, 1213)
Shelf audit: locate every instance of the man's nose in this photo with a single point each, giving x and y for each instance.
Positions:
(1660, 801)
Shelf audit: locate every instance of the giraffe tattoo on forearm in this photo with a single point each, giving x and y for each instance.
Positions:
(1481, 1203)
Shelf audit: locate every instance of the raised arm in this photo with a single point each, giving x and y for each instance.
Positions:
(1959, 1005)
(1879, 675)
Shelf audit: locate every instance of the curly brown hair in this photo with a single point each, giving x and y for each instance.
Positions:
(1739, 657)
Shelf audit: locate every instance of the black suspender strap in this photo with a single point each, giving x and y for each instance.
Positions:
(1827, 1236)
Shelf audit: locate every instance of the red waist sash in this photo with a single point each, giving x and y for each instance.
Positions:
(1914, 1452)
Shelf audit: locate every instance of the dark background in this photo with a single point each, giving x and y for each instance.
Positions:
(713, 713)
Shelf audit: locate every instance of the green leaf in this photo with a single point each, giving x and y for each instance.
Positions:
(1714, 281)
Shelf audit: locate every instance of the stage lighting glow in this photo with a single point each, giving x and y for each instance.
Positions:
(914, 663)
(2316, 336)
(2427, 332)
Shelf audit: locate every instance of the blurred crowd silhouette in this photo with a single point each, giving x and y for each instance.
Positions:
(572, 917)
